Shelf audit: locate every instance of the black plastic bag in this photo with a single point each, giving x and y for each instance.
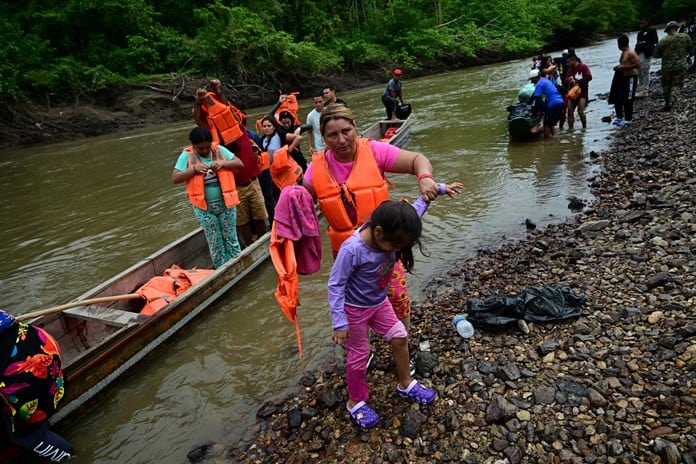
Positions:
(535, 304)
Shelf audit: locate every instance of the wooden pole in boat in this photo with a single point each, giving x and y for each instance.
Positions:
(57, 309)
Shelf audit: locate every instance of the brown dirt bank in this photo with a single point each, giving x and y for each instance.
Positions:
(169, 99)
(616, 385)
(122, 109)
(128, 107)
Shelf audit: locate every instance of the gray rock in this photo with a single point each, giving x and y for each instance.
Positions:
(411, 423)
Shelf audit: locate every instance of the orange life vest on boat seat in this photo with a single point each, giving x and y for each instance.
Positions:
(224, 120)
(389, 133)
(284, 169)
(161, 290)
(365, 189)
(195, 185)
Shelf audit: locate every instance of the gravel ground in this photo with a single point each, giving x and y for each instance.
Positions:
(617, 384)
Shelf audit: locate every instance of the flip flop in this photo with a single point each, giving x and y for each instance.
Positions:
(363, 415)
(417, 392)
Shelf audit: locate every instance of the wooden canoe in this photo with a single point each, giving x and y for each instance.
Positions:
(382, 131)
(101, 342)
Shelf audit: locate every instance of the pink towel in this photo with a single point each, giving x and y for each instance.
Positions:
(296, 219)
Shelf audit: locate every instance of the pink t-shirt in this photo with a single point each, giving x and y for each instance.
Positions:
(385, 155)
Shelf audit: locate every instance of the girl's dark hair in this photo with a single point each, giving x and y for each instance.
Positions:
(200, 134)
(400, 223)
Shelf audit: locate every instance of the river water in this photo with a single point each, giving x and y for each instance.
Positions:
(75, 214)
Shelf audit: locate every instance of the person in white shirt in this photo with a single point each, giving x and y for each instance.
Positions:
(315, 142)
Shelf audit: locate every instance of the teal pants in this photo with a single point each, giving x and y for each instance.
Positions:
(220, 227)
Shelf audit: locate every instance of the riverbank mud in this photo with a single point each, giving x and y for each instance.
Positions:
(127, 107)
(617, 384)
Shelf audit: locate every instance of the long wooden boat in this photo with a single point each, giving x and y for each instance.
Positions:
(394, 132)
(99, 342)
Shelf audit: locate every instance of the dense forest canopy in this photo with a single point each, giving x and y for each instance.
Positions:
(68, 50)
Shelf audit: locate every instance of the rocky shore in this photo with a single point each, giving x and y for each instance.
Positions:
(617, 384)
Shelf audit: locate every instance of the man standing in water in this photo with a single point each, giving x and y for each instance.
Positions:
(546, 99)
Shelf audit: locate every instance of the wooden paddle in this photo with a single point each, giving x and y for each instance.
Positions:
(57, 309)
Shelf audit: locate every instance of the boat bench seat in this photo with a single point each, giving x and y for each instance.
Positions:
(108, 316)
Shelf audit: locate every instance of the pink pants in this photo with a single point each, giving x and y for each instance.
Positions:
(383, 321)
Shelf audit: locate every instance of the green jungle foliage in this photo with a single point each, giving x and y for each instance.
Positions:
(68, 50)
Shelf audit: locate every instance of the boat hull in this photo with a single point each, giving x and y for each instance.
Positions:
(101, 342)
(381, 131)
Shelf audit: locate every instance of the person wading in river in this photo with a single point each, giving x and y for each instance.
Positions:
(548, 100)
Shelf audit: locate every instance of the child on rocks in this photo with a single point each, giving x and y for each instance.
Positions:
(357, 292)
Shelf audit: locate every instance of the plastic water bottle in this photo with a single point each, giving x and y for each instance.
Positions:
(464, 327)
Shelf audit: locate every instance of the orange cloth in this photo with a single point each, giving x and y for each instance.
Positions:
(282, 252)
(295, 248)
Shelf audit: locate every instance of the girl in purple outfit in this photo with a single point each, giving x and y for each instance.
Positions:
(358, 298)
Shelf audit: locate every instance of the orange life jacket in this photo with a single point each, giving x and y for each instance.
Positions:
(290, 104)
(263, 158)
(284, 169)
(195, 186)
(365, 189)
(224, 120)
(161, 290)
(389, 133)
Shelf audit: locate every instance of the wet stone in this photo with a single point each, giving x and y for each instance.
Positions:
(426, 362)
(547, 347)
(544, 395)
(328, 398)
(294, 419)
(411, 423)
(509, 371)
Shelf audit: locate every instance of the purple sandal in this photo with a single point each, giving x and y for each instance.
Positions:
(363, 415)
(417, 392)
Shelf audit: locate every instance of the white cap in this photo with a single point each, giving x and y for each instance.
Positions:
(533, 73)
(564, 52)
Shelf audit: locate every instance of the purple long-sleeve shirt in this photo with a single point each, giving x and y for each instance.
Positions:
(360, 275)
